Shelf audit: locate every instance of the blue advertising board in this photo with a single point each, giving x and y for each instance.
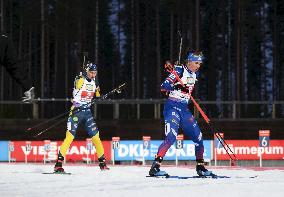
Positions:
(4, 150)
(133, 150)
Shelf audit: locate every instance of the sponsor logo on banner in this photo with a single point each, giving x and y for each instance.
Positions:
(134, 150)
(4, 150)
(250, 150)
(76, 152)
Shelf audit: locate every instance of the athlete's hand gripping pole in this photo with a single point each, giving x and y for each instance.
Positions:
(170, 68)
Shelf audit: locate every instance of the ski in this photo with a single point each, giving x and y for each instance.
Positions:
(199, 177)
(159, 176)
(189, 177)
(202, 177)
(61, 173)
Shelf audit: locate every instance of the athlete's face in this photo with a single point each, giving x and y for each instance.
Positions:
(193, 66)
(91, 74)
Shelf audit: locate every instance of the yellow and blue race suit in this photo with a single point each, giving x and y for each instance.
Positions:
(83, 93)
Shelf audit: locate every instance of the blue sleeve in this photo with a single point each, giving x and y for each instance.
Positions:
(197, 74)
(167, 85)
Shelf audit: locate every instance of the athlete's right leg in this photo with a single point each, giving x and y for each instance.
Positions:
(94, 133)
(62, 152)
(172, 120)
(191, 128)
(72, 125)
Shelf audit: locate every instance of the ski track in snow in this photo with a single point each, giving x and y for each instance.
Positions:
(27, 180)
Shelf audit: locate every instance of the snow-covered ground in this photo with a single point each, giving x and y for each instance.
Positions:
(130, 181)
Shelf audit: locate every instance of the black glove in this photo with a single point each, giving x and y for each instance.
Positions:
(165, 94)
(180, 87)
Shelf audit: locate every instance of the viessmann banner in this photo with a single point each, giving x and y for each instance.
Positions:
(133, 150)
(77, 151)
(250, 150)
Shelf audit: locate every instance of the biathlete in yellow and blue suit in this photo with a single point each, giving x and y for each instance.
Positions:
(85, 88)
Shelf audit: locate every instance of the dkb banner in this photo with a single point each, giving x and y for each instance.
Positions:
(133, 150)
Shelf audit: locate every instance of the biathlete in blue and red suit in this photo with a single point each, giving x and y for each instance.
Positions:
(177, 114)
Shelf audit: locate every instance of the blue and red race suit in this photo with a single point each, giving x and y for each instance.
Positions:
(176, 112)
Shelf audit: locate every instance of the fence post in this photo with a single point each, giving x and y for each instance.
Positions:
(138, 111)
(35, 110)
(155, 111)
(234, 110)
(159, 110)
(116, 111)
(273, 111)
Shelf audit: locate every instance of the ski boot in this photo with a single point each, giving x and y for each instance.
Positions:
(155, 168)
(102, 163)
(58, 165)
(201, 170)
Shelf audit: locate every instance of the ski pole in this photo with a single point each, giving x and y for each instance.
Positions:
(47, 121)
(116, 90)
(180, 47)
(170, 69)
(48, 128)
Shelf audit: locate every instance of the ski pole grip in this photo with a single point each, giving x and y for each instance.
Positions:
(168, 66)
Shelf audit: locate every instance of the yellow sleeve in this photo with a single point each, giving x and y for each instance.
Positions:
(98, 94)
(79, 83)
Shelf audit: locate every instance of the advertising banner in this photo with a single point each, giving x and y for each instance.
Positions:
(134, 150)
(249, 150)
(4, 150)
(36, 151)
